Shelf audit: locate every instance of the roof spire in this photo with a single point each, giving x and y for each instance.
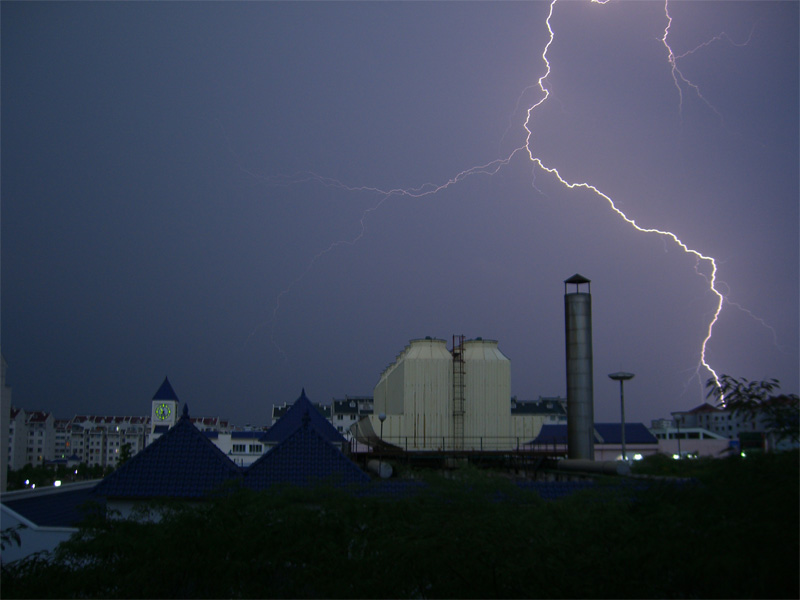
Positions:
(165, 392)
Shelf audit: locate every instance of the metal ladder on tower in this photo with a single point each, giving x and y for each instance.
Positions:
(459, 373)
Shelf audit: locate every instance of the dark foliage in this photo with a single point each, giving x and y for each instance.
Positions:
(732, 534)
(757, 400)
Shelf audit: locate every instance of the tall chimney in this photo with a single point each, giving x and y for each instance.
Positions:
(580, 387)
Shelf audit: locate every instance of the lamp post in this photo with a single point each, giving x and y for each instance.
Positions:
(381, 418)
(678, 423)
(622, 377)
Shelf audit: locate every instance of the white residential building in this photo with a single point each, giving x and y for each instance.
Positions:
(41, 432)
(17, 438)
(345, 412)
(721, 421)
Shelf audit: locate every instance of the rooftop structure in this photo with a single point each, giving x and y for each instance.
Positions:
(304, 456)
(293, 418)
(182, 463)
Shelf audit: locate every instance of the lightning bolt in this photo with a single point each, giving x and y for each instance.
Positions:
(678, 76)
(572, 185)
(526, 150)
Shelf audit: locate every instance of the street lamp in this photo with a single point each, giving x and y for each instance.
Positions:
(381, 418)
(622, 377)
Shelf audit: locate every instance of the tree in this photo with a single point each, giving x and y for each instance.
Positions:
(780, 413)
(124, 454)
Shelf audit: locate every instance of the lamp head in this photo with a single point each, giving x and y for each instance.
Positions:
(621, 376)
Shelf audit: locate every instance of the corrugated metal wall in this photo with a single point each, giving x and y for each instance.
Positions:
(487, 395)
(526, 427)
(416, 395)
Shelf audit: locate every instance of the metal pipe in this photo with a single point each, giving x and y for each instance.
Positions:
(607, 467)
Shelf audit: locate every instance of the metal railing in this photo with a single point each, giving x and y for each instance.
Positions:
(462, 444)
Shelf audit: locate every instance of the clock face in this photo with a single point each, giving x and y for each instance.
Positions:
(163, 411)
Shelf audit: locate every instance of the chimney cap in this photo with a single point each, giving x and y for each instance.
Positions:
(577, 278)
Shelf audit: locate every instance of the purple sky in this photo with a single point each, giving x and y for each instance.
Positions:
(160, 216)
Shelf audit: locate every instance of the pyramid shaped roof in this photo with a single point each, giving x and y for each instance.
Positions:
(182, 463)
(165, 392)
(304, 457)
(293, 418)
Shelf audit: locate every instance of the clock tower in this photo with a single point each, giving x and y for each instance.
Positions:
(164, 411)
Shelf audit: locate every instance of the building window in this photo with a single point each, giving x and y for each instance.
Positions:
(255, 448)
(240, 448)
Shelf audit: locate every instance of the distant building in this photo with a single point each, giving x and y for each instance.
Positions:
(750, 431)
(683, 441)
(639, 442)
(184, 464)
(345, 412)
(279, 411)
(242, 447)
(5, 417)
(301, 409)
(17, 438)
(41, 437)
(98, 440)
(528, 416)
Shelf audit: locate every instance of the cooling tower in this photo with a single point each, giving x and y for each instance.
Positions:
(414, 393)
(580, 386)
(488, 396)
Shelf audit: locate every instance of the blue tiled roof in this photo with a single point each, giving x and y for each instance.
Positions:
(302, 458)
(604, 433)
(290, 421)
(552, 434)
(165, 392)
(635, 433)
(182, 463)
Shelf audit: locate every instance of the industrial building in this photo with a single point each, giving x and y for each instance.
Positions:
(432, 398)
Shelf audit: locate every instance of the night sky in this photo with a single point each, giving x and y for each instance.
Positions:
(194, 190)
